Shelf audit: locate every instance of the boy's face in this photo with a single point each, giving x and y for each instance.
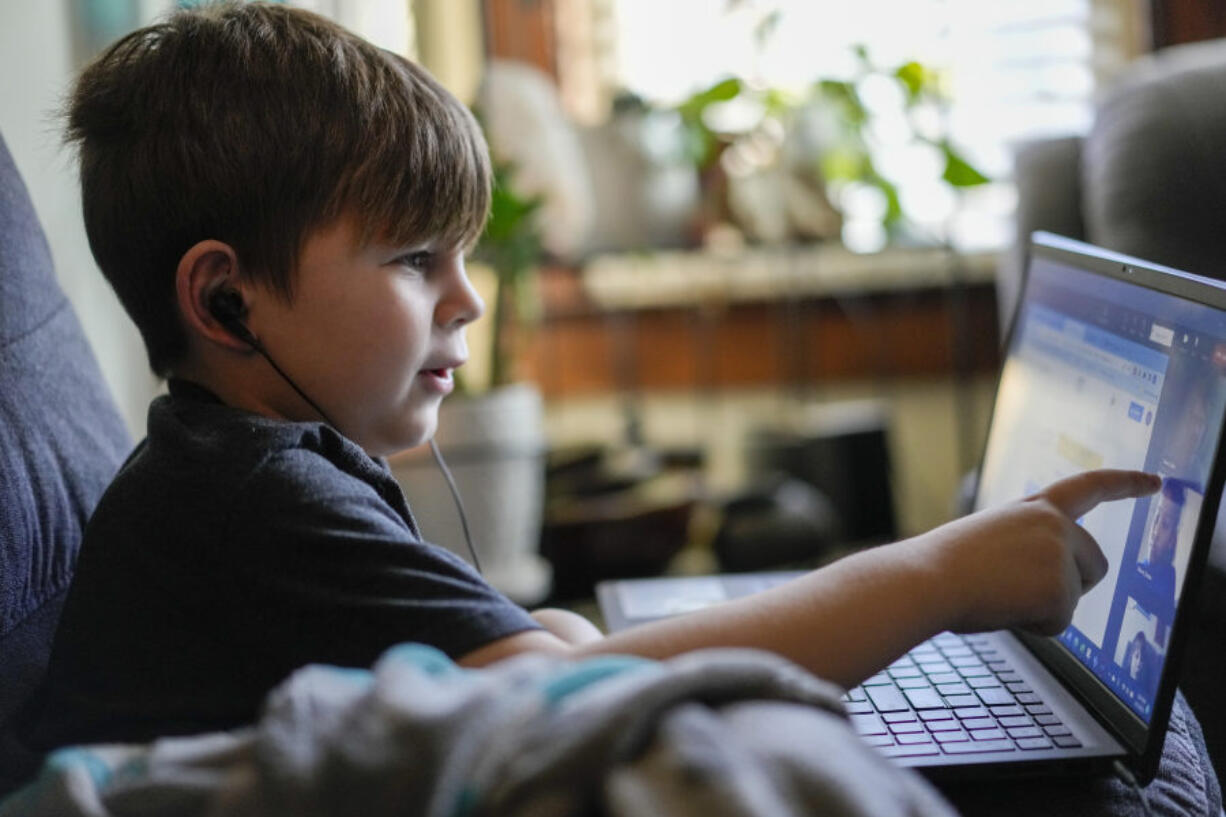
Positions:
(372, 334)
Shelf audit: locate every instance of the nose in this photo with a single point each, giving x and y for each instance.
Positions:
(460, 303)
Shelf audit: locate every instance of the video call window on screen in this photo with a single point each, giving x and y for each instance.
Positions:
(1100, 376)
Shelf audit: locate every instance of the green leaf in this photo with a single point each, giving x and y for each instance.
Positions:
(958, 171)
(914, 78)
(847, 99)
(721, 91)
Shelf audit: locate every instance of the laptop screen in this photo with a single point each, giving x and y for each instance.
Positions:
(1102, 373)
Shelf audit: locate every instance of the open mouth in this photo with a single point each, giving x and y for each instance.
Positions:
(439, 380)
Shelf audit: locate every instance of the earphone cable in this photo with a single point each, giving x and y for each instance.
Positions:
(255, 344)
(459, 503)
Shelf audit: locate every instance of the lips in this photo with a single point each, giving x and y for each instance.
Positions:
(439, 378)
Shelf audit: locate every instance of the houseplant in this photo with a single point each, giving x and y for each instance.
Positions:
(822, 135)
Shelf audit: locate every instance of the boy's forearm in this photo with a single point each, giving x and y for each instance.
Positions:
(843, 622)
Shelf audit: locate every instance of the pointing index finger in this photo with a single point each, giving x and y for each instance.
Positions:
(1079, 494)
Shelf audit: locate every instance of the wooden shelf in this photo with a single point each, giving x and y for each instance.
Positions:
(764, 329)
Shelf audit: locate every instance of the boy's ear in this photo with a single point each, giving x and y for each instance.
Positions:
(208, 269)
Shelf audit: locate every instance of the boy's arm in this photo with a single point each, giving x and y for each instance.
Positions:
(1025, 564)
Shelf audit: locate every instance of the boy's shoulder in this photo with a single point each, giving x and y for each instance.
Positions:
(204, 459)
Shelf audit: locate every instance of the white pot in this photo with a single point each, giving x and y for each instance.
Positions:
(494, 445)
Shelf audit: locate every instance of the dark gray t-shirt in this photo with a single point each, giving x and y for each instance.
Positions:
(230, 550)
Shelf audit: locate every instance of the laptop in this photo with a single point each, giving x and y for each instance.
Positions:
(1111, 362)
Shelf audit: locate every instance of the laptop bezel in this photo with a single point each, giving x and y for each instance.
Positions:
(1144, 741)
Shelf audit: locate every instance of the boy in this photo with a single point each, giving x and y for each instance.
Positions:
(283, 210)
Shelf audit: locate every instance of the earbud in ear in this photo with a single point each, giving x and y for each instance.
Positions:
(226, 305)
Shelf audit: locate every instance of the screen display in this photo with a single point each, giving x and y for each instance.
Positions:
(1105, 374)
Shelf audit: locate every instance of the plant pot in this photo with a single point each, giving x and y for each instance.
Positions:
(494, 444)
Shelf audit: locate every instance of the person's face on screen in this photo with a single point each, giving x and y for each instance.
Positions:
(1190, 433)
(1164, 531)
(1134, 659)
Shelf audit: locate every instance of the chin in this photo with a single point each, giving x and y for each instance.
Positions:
(410, 436)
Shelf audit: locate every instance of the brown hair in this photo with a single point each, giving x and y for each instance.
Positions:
(254, 125)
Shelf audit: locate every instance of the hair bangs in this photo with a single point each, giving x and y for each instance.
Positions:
(425, 175)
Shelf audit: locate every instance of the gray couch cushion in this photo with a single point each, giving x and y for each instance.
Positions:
(61, 441)
(1154, 170)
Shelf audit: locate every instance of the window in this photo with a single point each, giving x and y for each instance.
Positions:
(1013, 71)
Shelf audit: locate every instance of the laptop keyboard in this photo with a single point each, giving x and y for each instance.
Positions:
(953, 695)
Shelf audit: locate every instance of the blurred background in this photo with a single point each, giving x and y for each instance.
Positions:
(744, 263)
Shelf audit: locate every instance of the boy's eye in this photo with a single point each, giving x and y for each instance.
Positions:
(417, 260)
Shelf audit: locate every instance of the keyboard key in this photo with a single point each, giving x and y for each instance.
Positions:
(906, 727)
(912, 739)
(868, 725)
(950, 737)
(1057, 731)
(913, 683)
(985, 681)
(988, 734)
(947, 639)
(1018, 686)
(1020, 732)
(951, 725)
(902, 662)
(910, 751)
(1010, 721)
(1066, 741)
(905, 672)
(974, 746)
(962, 700)
(1034, 743)
(965, 661)
(857, 707)
(1007, 711)
(924, 699)
(1008, 677)
(887, 699)
(959, 651)
(1028, 698)
(953, 689)
(974, 671)
(979, 723)
(878, 740)
(1046, 720)
(945, 678)
(877, 680)
(935, 667)
(936, 714)
(972, 712)
(856, 694)
(1038, 709)
(898, 717)
(993, 696)
(995, 666)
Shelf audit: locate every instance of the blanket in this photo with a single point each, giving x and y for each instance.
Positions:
(712, 733)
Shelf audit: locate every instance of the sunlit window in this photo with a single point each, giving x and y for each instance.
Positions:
(1012, 71)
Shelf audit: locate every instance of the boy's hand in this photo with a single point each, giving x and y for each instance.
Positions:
(1027, 564)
